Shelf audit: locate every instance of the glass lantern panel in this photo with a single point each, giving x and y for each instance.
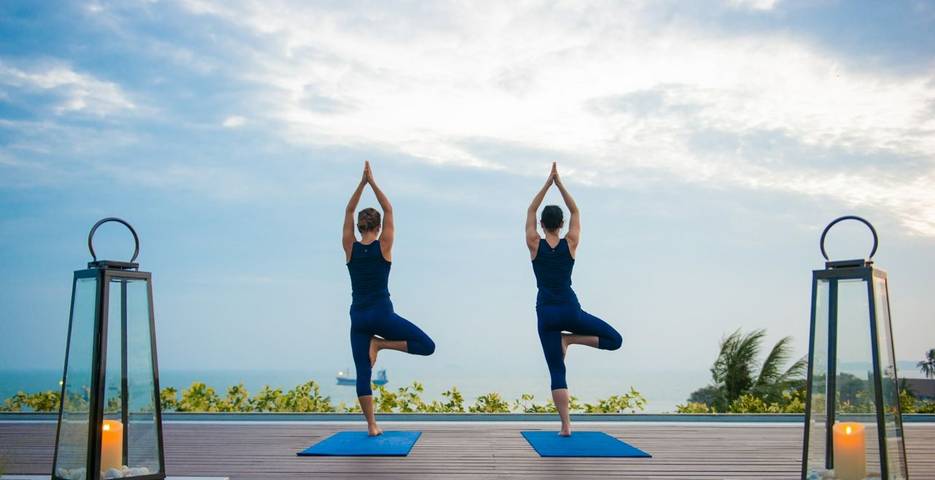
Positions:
(72, 443)
(854, 386)
(887, 364)
(818, 420)
(130, 392)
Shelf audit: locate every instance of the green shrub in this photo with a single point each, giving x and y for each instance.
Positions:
(748, 403)
(793, 402)
(925, 407)
(406, 399)
(693, 407)
(453, 404)
(490, 403)
(169, 399)
(199, 397)
(631, 401)
(526, 404)
(303, 398)
(45, 401)
(236, 400)
(15, 403)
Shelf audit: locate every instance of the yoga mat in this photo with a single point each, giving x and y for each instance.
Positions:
(581, 444)
(359, 444)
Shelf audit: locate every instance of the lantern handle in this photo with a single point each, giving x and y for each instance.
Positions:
(849, 217)
(136, 238)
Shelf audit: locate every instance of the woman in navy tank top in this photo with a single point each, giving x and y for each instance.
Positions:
(561, 321)
(374, 324)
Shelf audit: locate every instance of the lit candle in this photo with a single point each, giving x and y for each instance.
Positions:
(111, 445)
(850, 460)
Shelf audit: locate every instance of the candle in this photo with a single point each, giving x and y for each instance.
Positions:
(850, 460)
(111, 445)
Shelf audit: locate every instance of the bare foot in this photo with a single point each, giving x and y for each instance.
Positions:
(565, 431)
(374, 348)
(374, 430)
(565, 338)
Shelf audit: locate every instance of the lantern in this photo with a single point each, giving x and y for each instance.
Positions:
(110, 421)
(853, 423)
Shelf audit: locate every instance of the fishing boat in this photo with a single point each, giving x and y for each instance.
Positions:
(347, 377)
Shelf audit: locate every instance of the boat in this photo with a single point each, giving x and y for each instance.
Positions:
(346, 377)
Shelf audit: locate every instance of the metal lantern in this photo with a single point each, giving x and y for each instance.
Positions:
(853, 423)
(110, 421)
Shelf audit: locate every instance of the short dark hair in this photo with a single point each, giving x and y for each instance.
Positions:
(552, 217)
(368, 219)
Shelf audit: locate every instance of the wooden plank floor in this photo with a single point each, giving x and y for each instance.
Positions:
(467, 450)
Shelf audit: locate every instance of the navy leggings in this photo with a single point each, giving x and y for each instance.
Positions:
(569, 317)
(382, 321)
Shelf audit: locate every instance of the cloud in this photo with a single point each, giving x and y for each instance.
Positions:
(763, 5)
(75, 92)
(234, 121)
(620, 94)
(614, 90)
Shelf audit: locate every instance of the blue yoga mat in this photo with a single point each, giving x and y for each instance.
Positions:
(359, 444)
(581, 444)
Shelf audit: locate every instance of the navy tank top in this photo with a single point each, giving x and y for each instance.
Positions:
(370, 274)
(553, 267)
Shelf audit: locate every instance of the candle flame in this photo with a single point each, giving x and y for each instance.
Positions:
(847, 430)
(107, 428)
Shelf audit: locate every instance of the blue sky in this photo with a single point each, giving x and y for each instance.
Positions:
(707, 143)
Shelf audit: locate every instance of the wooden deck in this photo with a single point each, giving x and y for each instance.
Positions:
(257, 450)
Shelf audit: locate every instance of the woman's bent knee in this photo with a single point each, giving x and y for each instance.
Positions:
(428, 346)
(613, 342)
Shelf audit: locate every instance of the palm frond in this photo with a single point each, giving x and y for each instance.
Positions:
(772, 366)
(733, 369)
(795, 372)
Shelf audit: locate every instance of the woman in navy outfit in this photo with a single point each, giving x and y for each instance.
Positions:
(561, 321)
(374, 324)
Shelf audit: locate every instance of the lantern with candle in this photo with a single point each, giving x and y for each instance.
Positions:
(110, 420)
(853, 423)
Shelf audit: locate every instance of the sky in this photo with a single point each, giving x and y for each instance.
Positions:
(707, 144)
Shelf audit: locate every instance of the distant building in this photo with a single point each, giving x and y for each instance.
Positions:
(923, 388)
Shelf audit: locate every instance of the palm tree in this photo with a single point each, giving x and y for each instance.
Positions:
(735, 372)
(927, 366)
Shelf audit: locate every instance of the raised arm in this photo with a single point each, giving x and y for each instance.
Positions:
(574, 222)
(532, 234)
(388, 230)
(348, 238)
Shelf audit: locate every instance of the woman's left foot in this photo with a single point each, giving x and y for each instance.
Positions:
(565, 432)
(565, 338)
